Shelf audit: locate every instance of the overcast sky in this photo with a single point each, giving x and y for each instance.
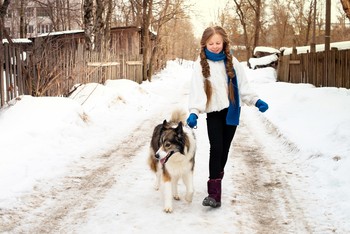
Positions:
(206, 12)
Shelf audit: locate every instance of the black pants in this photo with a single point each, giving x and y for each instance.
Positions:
(220, 137)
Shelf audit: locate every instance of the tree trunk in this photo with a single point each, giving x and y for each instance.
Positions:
(22, 24)
(88, 25)
(99, 25)
(69, 20)
(309, 23)
(257, 10)
(346, 7)
(146, 21)
(107, 29)
(154, 51)
(240, 14)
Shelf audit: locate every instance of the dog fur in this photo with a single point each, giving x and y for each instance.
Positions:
(172, 156)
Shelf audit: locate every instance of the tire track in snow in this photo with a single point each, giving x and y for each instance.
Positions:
(73, 196)
(263, 193)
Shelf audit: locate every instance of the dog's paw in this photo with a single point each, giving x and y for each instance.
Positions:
(168, 209)
(156, 187)
(189, 197)
(176, 197)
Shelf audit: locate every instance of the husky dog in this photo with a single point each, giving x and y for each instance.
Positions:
(171, 157)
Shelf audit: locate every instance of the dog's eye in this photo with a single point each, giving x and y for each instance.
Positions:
(167, 144)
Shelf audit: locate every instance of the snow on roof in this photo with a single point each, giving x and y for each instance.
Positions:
(60, 33)
(150, 28)
(18, 40)
(81, 30)
(238, 47)
(265, 60)
(266, 49)
(343, 45)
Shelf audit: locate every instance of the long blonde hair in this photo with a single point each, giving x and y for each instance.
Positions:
(209, 32)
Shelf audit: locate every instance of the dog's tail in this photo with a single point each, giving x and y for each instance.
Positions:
(179, 115)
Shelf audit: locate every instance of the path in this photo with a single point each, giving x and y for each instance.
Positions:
(112, 193)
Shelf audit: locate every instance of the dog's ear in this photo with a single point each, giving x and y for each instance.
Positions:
(179, 128)
(165, 123)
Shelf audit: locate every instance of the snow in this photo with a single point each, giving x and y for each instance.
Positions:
(42, 137)
(266, 49)
(61, 33)
(343, 45)
(265, 60)
(18, 40)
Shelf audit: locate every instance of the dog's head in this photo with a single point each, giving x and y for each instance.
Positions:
(171, 141)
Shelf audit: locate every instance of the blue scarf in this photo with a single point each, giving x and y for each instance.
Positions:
(234, 109)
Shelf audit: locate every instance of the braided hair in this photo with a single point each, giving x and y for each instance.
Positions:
(207, 34)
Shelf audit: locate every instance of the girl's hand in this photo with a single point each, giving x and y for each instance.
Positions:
(262, 105)
(192, 120)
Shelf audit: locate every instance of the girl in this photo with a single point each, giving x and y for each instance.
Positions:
(218, 87)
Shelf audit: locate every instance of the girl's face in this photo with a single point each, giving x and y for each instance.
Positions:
(215, 43)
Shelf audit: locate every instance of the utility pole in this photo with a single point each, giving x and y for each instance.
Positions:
(314, 23)
(328, 26)
(313, 44)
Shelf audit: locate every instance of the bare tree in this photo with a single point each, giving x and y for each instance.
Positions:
(108, 24)
(3, 10)
(62, 13)
(280, 32)
(99, 24)
(250, 14)
(88, 24)
(241, 11)
(136, 12)
(308, 21)
(146, 23)
(22, 20)
(256, 6)
(346, 7)
(167, 13)
(159, 24)
(301, 12)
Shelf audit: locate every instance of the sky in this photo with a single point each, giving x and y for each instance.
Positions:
(206, 12)
(78, 164)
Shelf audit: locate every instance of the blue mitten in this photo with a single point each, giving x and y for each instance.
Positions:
(192, 120)
(262, 105)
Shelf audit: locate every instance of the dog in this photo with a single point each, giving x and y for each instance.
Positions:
(172, 156)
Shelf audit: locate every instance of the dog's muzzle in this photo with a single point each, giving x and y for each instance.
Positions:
(166, 158)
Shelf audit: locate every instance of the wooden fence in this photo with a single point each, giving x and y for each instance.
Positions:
(53, 69)
(11, 73)
(322, 69)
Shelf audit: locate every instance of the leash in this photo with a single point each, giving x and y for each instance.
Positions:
(187, 126)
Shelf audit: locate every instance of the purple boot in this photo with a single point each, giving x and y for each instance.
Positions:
(214, 191)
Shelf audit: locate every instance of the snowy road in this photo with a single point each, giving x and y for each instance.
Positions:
(265, 188)
(263, 191)
(100, 193)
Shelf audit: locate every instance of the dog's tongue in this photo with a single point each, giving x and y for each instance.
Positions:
(163, 160)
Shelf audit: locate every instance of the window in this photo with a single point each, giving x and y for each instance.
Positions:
(30, 29)
(42, 12)
(9, 13)
(29, 12)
